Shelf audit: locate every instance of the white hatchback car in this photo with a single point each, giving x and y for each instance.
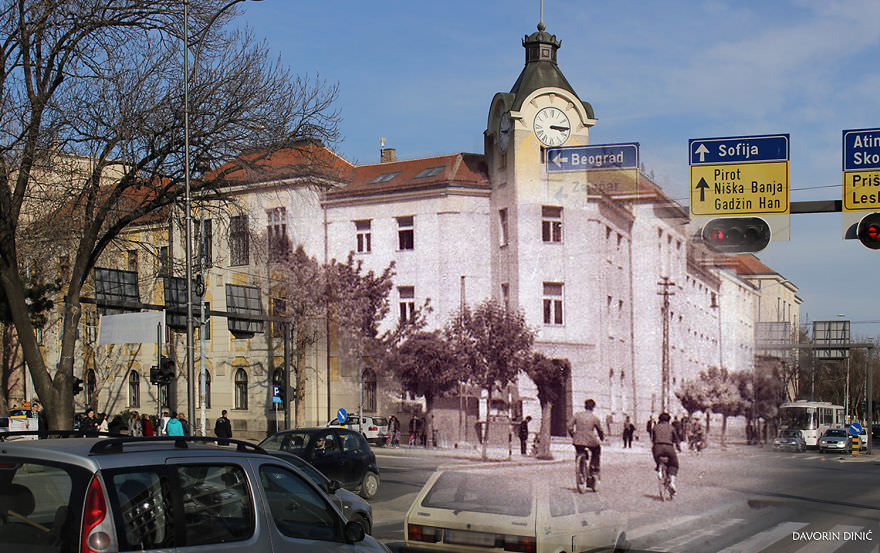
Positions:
(489, 510)
(374, 429)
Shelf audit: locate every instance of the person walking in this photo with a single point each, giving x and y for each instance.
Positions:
(413, 424)
(184, 423)
(42, 421)
(609, 420)
(89, 425)
(628, 430)
(146, 425)
(135, 427)
(223, 428)
(524, 435)
(173, 427)
(650, 426)
(394, 431)
(163, 422)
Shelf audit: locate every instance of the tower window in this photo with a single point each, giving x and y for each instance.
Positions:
(551, 223)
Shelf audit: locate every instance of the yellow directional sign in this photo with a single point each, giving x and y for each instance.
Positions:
(861, 191)
(740, 189)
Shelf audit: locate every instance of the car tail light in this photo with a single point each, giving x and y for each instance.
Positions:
(417, 532)
(97, 528)
(525, 544)
(373, 428)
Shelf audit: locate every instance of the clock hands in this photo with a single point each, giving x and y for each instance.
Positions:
(558, 128)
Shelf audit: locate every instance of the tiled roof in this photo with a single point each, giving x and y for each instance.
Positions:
(306, 159)
(414, 174)
(750, 265)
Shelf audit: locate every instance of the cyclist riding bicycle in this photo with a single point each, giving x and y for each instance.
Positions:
(581, 429)
(665, 441)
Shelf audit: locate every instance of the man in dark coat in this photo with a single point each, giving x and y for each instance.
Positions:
(89, 425)
(524, 435)
(223, 428)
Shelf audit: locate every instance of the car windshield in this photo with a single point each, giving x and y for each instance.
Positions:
(835, 433)
(480, 493)
(294, 442)
(789, 434)
(380, 421)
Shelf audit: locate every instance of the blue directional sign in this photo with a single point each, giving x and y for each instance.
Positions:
(341, 415)
(738, 149)
(855, 429)
(861, 149)
(565, 159)
(276, 394)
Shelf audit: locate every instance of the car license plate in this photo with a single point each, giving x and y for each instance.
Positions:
(463, 537)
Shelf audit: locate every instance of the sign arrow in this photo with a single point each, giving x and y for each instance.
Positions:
(702, 150)
(558, 158)
(702, 186)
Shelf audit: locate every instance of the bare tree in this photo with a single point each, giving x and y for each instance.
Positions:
(91, 134)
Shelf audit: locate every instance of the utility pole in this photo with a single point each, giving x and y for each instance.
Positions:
(665, 284)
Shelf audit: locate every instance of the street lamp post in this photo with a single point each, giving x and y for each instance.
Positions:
(190, 371)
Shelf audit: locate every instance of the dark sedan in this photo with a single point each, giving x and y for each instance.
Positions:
(339, 453)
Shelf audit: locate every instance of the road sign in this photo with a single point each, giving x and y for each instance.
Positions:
(744, 175)
(341, 415)
(855, 429)
(861, 170)
(594, 157)
(276, 394)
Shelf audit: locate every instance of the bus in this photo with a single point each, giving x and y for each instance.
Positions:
(812, 418)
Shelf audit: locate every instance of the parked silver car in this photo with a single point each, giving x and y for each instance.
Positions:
(169, 493)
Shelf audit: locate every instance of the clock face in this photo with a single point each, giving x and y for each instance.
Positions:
(504, 132)
(552, 127)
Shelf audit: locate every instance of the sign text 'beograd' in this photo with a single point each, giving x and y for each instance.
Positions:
(746, 175)
(594, 157)
(861, 170)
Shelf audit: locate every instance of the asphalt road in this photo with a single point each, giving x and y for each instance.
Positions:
(743, 498)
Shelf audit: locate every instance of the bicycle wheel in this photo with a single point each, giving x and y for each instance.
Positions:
(663, 483)
(581, 473)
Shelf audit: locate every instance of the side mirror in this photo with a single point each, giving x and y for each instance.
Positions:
(333, 485)
(354, 532)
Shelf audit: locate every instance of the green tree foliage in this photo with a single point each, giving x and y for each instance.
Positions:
(549, 376)
(492, 344)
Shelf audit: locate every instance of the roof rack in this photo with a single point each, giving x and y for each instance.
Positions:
(115, 444)
(6, 434)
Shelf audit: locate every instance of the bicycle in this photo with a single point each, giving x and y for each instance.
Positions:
(667, 492)
(584, 476)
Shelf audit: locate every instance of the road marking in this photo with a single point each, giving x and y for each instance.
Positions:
(649, 529)
(829, 546)
(764, 539)
(685, 543)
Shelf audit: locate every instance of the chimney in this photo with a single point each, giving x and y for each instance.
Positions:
(387, 155)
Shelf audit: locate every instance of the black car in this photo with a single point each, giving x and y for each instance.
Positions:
(341, 454)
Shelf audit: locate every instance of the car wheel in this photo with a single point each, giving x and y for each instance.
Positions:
(362, 519)
(370, 485)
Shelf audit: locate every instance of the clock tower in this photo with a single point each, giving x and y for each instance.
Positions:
(549, 230)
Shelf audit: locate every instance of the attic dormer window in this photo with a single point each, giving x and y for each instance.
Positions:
(430, 172)
(384, 177)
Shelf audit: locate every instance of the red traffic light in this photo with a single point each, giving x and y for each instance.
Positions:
(737, 234)
(869, 231)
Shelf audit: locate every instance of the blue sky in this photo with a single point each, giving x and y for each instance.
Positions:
(422, 74)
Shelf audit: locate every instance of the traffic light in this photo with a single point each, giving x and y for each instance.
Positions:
(77, 385)
(154, 375)
(737, 234)
(869, 231)
(166, 371)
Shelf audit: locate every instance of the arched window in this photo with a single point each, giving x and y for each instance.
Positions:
(207, 388)
(369, 390)
(134, 389)
(241, 385)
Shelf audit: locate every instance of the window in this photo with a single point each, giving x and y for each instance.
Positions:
(276, 229)
(164, 262)
(364, 238)
(241, 388)
(407, 296)
(384, 177)
(430, 172)
(297, 509)
(134, 389)
(405, 233)
(505, 295)
(552, 303)
(207, 387)
(369, 378)
(203, 247)
(551, 223)
(239, 240)
(502, 227)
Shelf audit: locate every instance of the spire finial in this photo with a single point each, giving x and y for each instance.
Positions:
(541, 25)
